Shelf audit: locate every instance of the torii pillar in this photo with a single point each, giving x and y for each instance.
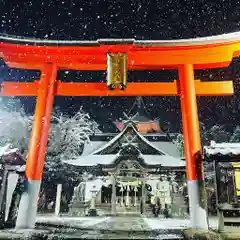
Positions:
(37, 148)
(192, 146)
(49, 56)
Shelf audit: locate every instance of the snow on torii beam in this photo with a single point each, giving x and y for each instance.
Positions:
(184, 55)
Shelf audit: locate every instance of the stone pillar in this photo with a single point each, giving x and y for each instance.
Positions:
(113, 198)
(93, 211)
(122, 190)
(143, 196)
(135, 195)
(58, 199)
(93, 205)
(127, 196)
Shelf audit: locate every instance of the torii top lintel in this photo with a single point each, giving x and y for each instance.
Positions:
(205, 52)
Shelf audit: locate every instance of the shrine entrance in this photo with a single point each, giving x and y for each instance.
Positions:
(128, 193)
(117, 56)
(134, 184)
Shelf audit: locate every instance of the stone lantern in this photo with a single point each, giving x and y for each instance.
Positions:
(92, 210)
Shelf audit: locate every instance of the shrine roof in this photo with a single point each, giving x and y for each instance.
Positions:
(115, 139)
(151, 159)
(161, 141)
(222, 151)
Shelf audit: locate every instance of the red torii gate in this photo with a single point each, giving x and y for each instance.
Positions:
(50, 56)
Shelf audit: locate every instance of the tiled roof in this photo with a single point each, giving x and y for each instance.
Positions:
(222, 149)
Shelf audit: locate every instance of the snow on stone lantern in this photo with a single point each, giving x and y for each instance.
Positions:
(92, 210)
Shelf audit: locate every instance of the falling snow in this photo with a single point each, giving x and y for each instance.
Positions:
(91, 20)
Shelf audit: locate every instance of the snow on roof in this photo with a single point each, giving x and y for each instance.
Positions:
(10, 151)
(93, 160)
(92, 146)
(149, 143)
(4, 149)
(122, 133)
(169, 148)
(110, 142)
(222, 148)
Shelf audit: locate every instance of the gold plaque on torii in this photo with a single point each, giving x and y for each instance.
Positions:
(116, 70)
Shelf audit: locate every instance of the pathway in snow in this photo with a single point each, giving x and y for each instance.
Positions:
(124, 223)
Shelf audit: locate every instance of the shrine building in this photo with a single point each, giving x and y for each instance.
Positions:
(129, 167)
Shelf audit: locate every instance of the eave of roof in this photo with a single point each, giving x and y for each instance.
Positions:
(222, 151)
(105, 160)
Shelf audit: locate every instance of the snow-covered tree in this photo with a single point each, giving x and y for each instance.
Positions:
(68, 134)
(203, 134)
(179, 141)
(15, 125)
(66, 141)
(235, 138)
(217, 133)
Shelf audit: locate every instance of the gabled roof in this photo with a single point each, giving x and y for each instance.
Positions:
(129, 125)
(102, 157)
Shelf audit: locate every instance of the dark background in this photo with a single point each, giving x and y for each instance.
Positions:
(141, 19)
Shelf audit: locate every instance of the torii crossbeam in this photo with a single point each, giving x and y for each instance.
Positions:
(50, 56)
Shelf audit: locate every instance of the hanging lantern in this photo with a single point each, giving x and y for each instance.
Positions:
(116, 70)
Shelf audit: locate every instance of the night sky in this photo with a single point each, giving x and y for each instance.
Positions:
(149, 19)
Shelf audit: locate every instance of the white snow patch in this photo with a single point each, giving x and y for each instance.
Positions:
(4, 149)
(161, 223)
(82, 221)
(222, 148)
(9, 151)
(168, 236)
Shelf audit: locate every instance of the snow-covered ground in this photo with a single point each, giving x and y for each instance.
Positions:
(161, 223)
(80, 221)
(167, 236)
